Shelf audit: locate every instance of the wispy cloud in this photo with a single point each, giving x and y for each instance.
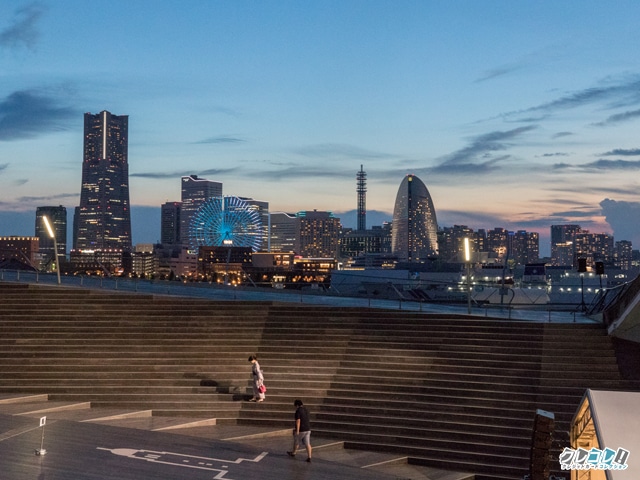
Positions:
(174, 175)
(618, 118)
(477, 156)
(600, 165)
(23, 31)
(59, 196)
(339, 150)
(499, 72)
(29, 114)
(3, 166)
(613, 96)
(304, 172)
(603, 164)
(556, 154)
(223, 139)
(622, 152)
(562, 134)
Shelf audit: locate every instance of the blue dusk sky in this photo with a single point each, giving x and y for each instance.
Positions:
(515, 114)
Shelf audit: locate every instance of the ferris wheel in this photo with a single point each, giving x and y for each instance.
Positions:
(226, 221)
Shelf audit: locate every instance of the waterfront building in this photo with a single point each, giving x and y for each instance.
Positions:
(414, 227)
(17, 252)
(103, 218)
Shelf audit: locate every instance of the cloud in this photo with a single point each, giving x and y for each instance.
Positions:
(618, 118)
(562, 134)
(623, 218)
(23, 30)
(617, 95)
(163, 175)
(228, 139)
(603, 164)
(622, 152)
(498, 72)
(29, 114)
(304, 172)
(339, 150)
(482, 147)
(3, 166)
(47, 197)
(600, 165)
(557, 154)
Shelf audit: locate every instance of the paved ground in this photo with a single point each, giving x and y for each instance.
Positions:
(80, 443)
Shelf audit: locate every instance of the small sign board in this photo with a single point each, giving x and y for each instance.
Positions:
(43, 421)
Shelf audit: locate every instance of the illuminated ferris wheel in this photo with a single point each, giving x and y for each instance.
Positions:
(226, 221)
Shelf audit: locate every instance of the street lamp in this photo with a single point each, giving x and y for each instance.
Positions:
(55, 244)
(467, 259)
(229, 243)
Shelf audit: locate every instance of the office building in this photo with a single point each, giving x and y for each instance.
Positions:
(170, 223)
(414, 227)
(262, 209)
(103, 218)
(283, 232)
(195, 193)
(57, 217)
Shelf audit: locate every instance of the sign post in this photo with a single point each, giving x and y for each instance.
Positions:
(41, 450)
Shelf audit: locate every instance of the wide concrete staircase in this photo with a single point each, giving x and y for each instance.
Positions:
(451, 392)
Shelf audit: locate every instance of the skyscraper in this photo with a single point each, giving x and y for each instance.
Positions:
(195, 192)
(415, 228)
(170, 223)
(57, 217)
(103, 218)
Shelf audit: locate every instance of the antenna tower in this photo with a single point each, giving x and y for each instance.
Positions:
(362, 199)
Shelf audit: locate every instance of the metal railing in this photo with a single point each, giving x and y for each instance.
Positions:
(213, 291)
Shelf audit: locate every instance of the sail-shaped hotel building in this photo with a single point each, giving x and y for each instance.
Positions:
(415, 228)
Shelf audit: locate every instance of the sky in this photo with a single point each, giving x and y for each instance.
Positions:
(515, 114)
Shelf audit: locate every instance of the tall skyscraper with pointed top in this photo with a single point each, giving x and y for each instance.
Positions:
(414, 231)
(103, 218)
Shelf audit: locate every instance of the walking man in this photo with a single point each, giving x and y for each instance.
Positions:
(302, 430)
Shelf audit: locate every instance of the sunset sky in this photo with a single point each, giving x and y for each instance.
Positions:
(514, 114)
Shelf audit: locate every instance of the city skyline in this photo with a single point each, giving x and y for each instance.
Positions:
(514, 115)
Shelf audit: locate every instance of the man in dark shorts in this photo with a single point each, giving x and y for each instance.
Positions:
(302, 430)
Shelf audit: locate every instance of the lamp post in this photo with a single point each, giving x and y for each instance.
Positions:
(229, 243)
(467, 259)
(55, 244)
